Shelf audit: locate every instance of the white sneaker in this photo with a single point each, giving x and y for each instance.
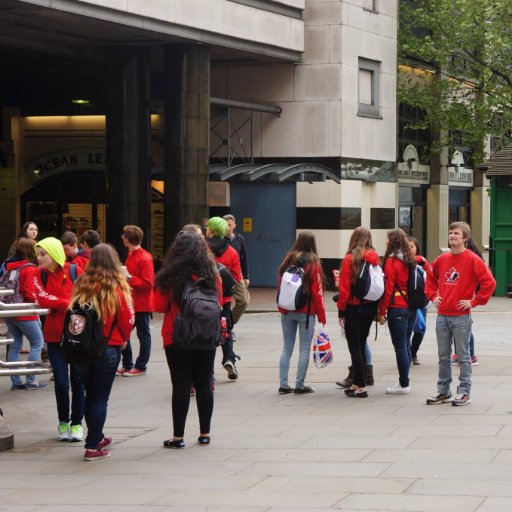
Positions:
(398, 390)
(63, 430)
(76, 433)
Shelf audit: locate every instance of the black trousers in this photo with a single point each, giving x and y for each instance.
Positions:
(358, 320)
(190, 368)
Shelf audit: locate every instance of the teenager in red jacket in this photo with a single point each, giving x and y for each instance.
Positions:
(74, 254)
(452, 289)
(141, 277)
(104, 286)
(356, 317)
(303, 253)
(226, 255)
(53, 289)
(417, 336)
(393, 307)
(187, 259)
(24, 262)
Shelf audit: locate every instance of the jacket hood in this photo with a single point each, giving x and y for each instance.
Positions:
(218, 245)
(398, 255)
(371, 257)
(54, 248)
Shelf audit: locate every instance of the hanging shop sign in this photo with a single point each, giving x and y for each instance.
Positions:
(63, 161)
(458, 175)
(409, 170)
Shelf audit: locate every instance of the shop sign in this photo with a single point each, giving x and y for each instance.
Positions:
(409, 169)
(458, 175)
(80, 159)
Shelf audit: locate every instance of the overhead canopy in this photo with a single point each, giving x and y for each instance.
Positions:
(278, 172)
(500, 164)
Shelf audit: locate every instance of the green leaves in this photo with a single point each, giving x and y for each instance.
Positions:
(464, 51)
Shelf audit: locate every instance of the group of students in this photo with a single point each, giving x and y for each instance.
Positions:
(457, 281)
(58, 274)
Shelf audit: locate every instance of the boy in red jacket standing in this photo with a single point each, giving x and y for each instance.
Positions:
(452, 289)
(141, 277)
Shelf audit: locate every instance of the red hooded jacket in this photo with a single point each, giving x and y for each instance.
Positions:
(125, 320)
(55, 296)
(139, 264)
(345, 285)
(165, 304)
(396, 275)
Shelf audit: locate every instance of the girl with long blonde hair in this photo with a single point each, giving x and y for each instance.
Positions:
(104, 287)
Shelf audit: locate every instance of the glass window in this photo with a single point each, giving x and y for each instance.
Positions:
(369, 88)
(382, 218)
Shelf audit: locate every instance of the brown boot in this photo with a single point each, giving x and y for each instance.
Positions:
(370, 381)
(349, 379)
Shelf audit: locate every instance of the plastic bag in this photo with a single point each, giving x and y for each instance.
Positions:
(420, 326)
(321, 347)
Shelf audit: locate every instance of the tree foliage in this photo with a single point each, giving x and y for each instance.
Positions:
(464, 51)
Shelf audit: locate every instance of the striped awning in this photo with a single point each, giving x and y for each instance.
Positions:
(278, 172)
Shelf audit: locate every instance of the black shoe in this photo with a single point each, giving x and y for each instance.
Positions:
(230, 367)
(15, 387)
(203, 440)
(303, 391)
(179, 443)
(285, 391)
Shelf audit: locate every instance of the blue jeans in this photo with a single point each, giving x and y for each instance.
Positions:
(98, 378)
(289, 323)
(457, 328)
(144, 334)
(63, 374)
(32, 330)
(401, 322)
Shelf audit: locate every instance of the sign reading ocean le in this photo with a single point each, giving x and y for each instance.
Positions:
(79, 159)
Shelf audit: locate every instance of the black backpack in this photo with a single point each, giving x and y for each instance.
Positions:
(228, 281)
(415, 297)
(197, 326)
(83, 340)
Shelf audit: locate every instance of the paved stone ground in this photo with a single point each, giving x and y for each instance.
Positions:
(274, 453)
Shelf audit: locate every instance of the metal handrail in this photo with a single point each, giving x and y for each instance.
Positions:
(8, 369)
(4, 292)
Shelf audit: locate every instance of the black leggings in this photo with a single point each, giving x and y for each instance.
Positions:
(191, 368)
(358, 320)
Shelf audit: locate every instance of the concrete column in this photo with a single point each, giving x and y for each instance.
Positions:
(437, 204)
(187, 131)
(128, 127)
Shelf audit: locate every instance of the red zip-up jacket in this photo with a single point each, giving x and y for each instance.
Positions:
(317, 293)
(81, 258)
(25, 283)
(396, 274)
(456, 277)
(125, 320)
(55, 296)
(165, 304)
(139, 264)
(345, 285)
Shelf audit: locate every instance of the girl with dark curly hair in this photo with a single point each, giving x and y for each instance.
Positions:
(398, 262)
(187, 259)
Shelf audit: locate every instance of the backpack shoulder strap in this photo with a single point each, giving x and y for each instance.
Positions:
(72, 272)
(44, 277)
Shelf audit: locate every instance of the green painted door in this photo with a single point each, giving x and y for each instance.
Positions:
(501, 232)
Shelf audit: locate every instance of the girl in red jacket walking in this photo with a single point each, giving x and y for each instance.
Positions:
(104, 286)
(187, 259)
(356, 317)
(303, 253)
(398, 262)
(54, 287)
